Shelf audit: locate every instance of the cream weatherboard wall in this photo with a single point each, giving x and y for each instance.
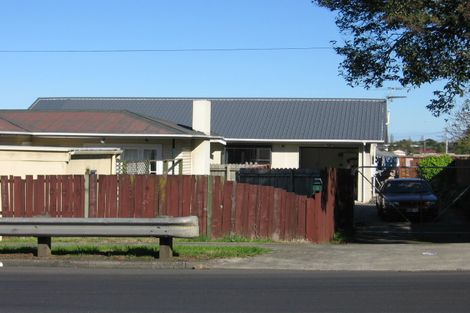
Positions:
(285, 156)
(295, 156)
(367, 155)
(22, 161)
(166, 149)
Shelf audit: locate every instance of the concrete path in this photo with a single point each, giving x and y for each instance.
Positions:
(355, 257)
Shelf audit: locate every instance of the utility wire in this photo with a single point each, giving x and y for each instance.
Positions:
(168, 50)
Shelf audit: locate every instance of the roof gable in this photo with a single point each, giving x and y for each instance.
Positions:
(256, 118)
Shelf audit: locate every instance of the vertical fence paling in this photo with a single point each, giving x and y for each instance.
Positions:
(51, 196)
(236, 208)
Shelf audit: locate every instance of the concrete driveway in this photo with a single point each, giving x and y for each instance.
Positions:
(356, 257)
(451, 227)
(441, 245)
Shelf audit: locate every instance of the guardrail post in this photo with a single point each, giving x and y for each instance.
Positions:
(44, 247)
(166, 248)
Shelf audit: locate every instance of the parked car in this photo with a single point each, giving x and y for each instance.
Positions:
(407, 197)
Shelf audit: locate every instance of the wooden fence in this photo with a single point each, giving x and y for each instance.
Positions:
(223, 207)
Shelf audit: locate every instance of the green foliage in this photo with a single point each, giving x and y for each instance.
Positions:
(339, 238)
(216, 252)
(421, 146)
(411, 42)
(238, 238)
(462, 146)
(226, 238)
(431, 166)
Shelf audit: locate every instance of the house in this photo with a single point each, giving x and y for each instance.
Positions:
(77, 141)
(282, 132)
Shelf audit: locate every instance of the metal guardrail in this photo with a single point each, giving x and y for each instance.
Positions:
(165, 228)
(178, 227)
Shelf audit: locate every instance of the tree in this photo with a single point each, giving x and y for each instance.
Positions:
(458, 125)
(458, 129)
(414, 42)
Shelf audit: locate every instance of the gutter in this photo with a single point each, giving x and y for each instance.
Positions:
(111, 151)
(304, 140)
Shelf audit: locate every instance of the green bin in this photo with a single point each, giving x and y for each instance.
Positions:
(317, 185)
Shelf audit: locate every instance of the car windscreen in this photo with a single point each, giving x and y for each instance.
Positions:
(407, 187)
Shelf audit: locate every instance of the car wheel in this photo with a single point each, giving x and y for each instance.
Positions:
(379, 210)
(433, 215)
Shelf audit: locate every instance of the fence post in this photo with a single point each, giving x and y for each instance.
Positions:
(165, 167)
(86, 204)
(209, 206)
(93, 195)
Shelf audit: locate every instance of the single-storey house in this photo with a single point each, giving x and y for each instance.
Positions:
(77, 141)
(282, 132)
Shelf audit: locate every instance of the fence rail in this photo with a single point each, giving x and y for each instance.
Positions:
(223, 207)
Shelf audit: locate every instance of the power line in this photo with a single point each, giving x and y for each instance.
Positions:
(169, 50)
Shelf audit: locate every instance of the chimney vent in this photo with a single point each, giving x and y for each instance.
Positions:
(202, 116)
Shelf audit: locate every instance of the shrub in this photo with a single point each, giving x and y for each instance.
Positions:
(431, 166)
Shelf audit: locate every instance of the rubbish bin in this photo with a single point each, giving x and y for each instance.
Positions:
(317, 186)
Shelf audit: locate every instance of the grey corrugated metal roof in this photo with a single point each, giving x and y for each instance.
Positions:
(255, 118)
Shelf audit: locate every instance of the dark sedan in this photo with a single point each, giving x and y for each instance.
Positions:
(407, 197)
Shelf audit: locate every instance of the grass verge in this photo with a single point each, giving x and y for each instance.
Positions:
(226, 238)
(130, 240)
(136, 252)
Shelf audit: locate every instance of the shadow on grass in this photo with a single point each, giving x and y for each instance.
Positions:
(17, 250)
(108, 251)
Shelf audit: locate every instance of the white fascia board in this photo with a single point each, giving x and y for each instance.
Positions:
(71, 150)
(34, 148)
(229, 140)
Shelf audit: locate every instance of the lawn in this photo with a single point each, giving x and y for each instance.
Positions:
(123, 249)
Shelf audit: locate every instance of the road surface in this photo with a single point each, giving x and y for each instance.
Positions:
(103, 290)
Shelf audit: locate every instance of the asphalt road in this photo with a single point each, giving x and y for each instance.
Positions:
(97, 290)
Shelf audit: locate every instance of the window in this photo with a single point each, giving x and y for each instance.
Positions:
(142, 159)
(248, 154)
(138, 154)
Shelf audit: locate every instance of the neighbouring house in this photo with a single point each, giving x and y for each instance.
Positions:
(106, 142)
(280, 132)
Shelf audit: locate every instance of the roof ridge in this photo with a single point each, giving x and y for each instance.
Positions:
(209, 98)
(12, 123)
(162, 121)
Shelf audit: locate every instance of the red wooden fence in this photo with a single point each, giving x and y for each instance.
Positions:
(53, 196)
(223, 207)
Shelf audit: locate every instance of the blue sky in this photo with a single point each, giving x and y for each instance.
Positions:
(158, 24)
